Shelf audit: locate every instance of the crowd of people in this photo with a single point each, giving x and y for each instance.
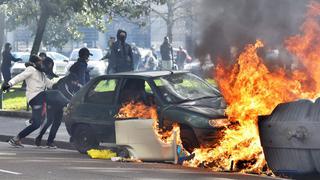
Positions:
(47, 98)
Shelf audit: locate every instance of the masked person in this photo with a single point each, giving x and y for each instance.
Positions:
(55, 111)
(7, 57)
(121, 59)
(37, 83)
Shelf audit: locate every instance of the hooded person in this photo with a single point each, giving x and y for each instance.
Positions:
(121, 59)
(65, 86)
(36, 85)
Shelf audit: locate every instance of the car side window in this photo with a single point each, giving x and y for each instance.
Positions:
(103, 92)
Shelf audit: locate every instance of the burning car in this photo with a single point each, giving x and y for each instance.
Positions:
(177, 97)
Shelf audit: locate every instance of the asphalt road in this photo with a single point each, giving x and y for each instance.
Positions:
(31, 162)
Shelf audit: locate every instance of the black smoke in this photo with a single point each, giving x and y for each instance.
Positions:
(236, 23)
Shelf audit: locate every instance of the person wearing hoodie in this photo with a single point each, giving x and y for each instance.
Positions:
(121, 59)
(7, 57)
(66, 86)
(80, 68)
(37, 83)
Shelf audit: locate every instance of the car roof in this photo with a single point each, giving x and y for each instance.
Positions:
(146, 74)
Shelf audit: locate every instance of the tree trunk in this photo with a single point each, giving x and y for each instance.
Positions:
(170, 22)
(41, 26)
(2, 29)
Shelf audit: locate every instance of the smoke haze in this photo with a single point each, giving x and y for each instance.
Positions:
(236, 23)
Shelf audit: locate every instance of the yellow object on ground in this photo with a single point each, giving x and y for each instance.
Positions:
(101, 154)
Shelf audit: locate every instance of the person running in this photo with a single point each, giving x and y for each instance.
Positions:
(37, 83)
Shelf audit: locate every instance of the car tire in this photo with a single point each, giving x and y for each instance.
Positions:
(84, 139)
(188, 138)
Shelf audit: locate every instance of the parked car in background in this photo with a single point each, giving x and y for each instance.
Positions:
(60, 62)
(96, 64)
(180, 97)
(204, 70)
(18, 67)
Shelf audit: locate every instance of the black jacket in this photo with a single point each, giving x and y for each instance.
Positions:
(7, 57)
(166, 51)
(121, 59)
(80, 68)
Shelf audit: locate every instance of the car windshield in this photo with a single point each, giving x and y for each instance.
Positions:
(177, 88)
(96, 55)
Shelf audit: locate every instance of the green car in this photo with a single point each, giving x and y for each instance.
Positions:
(180, 97)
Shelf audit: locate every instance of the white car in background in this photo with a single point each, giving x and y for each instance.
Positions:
(96, 65)
(59, 68)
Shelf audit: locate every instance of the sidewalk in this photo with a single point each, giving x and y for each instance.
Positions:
(11, 123)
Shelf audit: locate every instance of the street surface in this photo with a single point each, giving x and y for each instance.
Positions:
(31, 162)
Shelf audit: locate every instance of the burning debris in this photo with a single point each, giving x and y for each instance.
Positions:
(252, 89)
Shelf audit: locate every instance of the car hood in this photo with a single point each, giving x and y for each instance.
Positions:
(96, 63)
(18, 65)
(209, 107)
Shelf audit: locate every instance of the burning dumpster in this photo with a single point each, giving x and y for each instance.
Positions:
(290, 137)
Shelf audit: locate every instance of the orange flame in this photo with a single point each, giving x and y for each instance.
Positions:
(140, 110)
(251, 89)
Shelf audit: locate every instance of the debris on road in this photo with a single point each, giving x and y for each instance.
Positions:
(101, 154)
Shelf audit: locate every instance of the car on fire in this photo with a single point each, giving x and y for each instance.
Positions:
(180, 97)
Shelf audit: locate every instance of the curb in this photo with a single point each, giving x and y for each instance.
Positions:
(30, 141)
(20, 114)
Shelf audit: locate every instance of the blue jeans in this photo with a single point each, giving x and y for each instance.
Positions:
(37, 105)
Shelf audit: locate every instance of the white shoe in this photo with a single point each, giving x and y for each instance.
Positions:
(27, 122)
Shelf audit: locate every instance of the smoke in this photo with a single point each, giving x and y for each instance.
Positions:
(227, 23)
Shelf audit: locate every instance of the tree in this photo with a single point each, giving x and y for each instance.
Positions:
(84, 12)
(176, 10)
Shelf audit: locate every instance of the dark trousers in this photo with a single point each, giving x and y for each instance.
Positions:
(54, 117)
(6, 74)
(37, 106)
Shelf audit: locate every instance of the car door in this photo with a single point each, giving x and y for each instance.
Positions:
(99, 108)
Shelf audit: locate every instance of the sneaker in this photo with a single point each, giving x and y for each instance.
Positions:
(15, 143)
(27, 122)
(51, 146)
(37, 142)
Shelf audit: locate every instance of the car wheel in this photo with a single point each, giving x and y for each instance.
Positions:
(84, 139)
(188, 138)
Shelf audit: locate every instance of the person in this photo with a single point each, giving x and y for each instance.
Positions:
(80, 68)
(37, 83)
(121, 54)
(48, 64)
(150, 62)
(166, 52)
(7, 57)
(181, 58)
(136, 56)
(55, 112)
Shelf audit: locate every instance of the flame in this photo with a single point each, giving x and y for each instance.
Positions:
(140, 110)
(251, 89)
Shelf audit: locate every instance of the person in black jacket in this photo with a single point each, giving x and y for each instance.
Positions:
(121, 59)
(80, 68)
(7, 57)
(55, 111)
